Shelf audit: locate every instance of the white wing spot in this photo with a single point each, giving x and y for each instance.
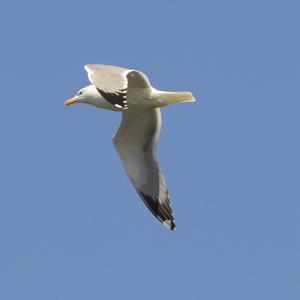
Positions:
(167, 224)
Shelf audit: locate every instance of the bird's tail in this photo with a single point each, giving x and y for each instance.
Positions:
(165, 98)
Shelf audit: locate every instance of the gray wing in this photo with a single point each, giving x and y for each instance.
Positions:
(135, 142)
(113, 82)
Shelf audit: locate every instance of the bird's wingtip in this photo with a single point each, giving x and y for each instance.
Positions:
(87, 67)
(169, 224)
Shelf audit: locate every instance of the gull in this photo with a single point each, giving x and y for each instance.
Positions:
(130, 92)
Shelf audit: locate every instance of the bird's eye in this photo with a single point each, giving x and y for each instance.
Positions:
(79, 93)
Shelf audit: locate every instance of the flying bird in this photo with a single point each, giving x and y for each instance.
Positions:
(130, 92)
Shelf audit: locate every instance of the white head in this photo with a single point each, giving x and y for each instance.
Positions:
(90, 95)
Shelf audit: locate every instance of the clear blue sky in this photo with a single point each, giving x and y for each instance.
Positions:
(71, 225)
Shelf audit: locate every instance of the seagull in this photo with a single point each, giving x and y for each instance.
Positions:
(130, 92)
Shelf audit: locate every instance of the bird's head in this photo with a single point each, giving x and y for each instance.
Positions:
(88, 94)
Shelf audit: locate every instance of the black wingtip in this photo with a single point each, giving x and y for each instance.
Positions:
(173, 226)
(169, 224)
(162, 211)
(117, 98)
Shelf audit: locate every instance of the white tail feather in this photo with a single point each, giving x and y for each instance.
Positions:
(165, 98)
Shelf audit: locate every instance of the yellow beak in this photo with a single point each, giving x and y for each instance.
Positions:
(70, 101)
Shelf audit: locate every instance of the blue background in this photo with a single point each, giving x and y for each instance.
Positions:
(72, 226)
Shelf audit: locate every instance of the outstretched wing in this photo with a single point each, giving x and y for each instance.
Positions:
(135, 142)
(113, 82)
